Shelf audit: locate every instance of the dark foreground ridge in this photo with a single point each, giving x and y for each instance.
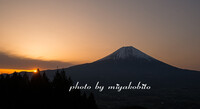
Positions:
(19, 92)
(172, 87)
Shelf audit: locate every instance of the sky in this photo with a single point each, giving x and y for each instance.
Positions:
(51, 33)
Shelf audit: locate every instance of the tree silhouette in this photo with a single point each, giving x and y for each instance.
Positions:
(20, 92)
(92, 102)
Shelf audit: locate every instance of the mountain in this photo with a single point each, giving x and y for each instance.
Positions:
(130, 64)
(127, 53)
(127, 64)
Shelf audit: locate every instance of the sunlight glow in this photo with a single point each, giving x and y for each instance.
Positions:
(10, 71)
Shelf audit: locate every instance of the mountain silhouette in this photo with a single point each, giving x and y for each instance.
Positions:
(130, 64)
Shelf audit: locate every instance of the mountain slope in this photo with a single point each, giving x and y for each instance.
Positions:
(129, 64)
(177, 88)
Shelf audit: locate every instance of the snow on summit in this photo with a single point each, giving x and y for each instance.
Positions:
(126, 53)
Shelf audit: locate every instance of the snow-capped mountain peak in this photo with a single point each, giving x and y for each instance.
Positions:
(127, 52)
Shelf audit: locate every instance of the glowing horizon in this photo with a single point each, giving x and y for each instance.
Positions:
(10, 71)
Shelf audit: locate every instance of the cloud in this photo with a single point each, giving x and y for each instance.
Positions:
(8, 61)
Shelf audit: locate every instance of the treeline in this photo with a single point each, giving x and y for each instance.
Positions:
(19, 92)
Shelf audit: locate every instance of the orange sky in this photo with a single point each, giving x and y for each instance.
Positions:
(15, 70)
(84, 31)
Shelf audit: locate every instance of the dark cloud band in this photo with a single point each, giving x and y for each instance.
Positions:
(8, 61)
